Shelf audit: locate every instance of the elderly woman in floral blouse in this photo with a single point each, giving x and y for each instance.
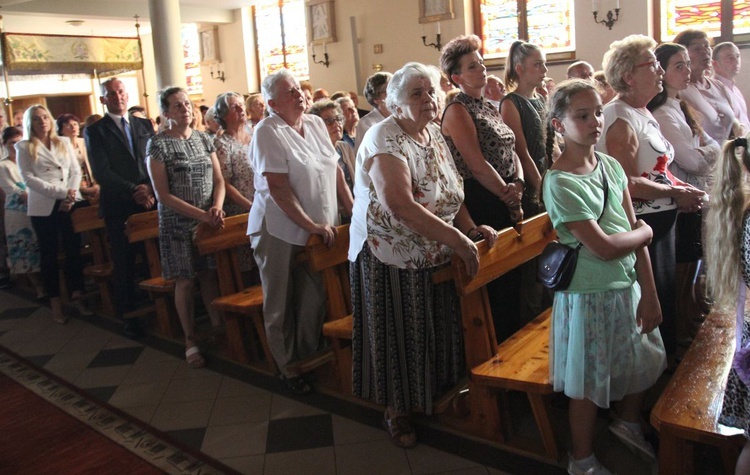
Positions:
(409, 219)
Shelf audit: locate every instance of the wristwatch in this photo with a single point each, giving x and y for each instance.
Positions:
(519, 180)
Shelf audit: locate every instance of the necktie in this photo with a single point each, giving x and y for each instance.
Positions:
(128, 135)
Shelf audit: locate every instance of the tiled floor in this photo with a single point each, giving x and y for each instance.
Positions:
(243, 419)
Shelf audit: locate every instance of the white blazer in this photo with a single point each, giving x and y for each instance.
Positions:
(49, 177)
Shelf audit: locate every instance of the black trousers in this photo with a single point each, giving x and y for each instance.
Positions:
(123, 264)
(664, 264)
(50, 231)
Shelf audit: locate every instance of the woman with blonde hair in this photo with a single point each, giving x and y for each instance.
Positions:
(727, 243)
(632, 136)
(525, 112)
(53, 176)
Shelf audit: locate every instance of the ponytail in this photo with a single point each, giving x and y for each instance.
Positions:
(729, 200)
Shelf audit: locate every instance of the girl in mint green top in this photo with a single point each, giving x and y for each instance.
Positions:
(604, 341)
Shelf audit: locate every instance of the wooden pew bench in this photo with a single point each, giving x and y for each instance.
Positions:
(144, 227)
(86, 220)
(333, 264)
(520, 363)
(687, 411)
(237, 304)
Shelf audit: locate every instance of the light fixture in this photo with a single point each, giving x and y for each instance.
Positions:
(611, 18)
(75, 23)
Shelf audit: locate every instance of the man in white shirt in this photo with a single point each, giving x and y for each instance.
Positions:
(727, 63)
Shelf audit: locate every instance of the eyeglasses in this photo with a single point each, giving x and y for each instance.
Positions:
(652, 64)
(331, 120)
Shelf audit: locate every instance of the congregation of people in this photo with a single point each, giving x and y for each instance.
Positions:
(632, 163)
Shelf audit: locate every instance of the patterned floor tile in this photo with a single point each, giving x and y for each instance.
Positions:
(190, 437)
(299, 433)
(40, 360)
(236, 440)
(116, 357)
(103, 393)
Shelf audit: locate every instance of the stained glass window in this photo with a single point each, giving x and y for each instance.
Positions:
(547, 24)
(192, 58)
(677, 15)
(282, 32)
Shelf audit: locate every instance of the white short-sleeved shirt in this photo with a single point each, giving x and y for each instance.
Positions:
(655, 153)
(739, 105)
(310, 163)
(364, 124)
(712, 100)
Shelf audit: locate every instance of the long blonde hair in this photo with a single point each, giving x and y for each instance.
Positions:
(729, 200)
(56, 144)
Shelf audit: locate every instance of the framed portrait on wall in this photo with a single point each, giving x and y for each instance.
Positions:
(209, 43)
(435, 10)
(321, 22)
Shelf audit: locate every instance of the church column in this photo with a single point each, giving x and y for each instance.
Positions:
(165, 34)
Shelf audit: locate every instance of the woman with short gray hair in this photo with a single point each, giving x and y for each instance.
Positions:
(409, 219)
(295, 196)
(231, 149)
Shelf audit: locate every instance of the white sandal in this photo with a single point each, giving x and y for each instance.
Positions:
(194, 358)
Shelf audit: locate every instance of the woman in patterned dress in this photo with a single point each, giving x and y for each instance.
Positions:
(728, 242)
(23, 248)
(232, 147)
(187, 180)
(483, 147)
(409, 218)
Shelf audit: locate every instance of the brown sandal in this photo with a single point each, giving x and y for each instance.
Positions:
(400, 430)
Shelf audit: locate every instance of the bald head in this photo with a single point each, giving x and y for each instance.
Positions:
(581, 70)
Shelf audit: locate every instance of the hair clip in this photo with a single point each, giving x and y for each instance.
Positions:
(740, 142)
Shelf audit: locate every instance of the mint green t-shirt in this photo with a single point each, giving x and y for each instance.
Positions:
(570, 198)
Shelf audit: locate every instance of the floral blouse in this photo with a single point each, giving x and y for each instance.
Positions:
(435, 184)
(236, 169)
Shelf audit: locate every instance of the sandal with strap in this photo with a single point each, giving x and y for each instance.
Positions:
(400, 430)
(194, 358)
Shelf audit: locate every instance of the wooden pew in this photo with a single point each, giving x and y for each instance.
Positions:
(333, 264)
(519, 363)
(144, 227)
(237, 304)
(87, 220)
(687, 411)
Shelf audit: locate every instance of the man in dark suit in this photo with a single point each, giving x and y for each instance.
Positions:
(117, 150)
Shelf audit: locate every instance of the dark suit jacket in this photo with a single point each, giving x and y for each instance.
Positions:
(116, 170)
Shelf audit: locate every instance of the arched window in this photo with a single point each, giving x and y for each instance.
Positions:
(548, 24)
(281, 34)
(725, 20)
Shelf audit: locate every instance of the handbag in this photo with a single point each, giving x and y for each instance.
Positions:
(557, 262)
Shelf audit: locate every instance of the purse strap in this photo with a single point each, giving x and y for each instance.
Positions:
(605, 187)
(740, 315)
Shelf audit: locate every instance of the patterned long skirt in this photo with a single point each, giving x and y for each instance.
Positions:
(407, 345)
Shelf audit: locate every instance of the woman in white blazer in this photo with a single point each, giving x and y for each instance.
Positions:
(52, 175)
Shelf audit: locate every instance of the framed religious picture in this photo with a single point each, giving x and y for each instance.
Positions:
(321, 22)
(435, 10)
(209, 44)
